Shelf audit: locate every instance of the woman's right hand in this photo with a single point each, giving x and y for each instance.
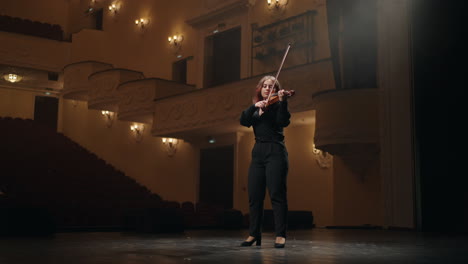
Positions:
(261, 104)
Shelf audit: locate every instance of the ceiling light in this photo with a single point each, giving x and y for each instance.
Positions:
(11, 77)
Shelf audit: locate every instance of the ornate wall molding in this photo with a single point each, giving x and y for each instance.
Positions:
(103, 87)
(136, 98)
(218, 109)
(323, 158)
(76, 84)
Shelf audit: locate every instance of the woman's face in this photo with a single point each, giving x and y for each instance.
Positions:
(267, 87)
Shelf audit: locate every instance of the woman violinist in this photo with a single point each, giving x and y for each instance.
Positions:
(269, 165)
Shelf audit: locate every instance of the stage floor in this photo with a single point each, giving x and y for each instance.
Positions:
(222, 246)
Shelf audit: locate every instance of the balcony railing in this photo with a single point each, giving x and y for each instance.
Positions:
(31, 28)
(217, 110)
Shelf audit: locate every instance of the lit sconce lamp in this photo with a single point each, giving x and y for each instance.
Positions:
(11, 77)
(323, 158)
(114, 7)
(277, 3)
(175, 40)
(269, 2)
(142, 22)
(109, 116)
(138, 130)
(171, 145)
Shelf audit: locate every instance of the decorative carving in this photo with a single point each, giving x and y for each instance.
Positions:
(136, 98)
(103, 87)
(323, 158)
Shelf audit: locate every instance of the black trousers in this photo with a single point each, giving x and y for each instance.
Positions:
(269, 168)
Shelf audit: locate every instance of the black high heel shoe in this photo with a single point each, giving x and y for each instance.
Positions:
(249, 243)
(280, 245)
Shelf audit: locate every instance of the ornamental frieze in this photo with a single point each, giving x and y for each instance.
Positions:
(136, 98)
(103, 93)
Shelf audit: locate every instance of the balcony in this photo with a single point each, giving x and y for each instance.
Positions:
(76, 84)
(217, 110)
(347, 125)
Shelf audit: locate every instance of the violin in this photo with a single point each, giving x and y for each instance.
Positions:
(275, 98)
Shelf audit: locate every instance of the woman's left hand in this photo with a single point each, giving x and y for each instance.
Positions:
(281, 95)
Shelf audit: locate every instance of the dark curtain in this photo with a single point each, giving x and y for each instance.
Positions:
(438, 75)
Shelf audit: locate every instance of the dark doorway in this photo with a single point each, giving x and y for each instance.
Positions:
(222, 60)
(216, 176)
(99, 18)
(46, 111)
(179, 71)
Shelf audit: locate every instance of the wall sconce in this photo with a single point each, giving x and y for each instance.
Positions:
(277, 3)
(323, 158)
(142, 22)
(138, 130)
(277, 7)
(12, 77)
(171, 145)
(109, 116)
(176, 40)
(114, 7)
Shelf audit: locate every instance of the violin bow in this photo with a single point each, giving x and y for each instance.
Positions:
(279, 70)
